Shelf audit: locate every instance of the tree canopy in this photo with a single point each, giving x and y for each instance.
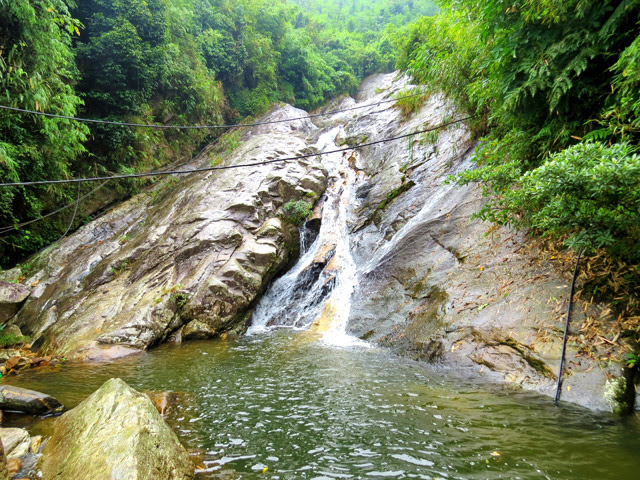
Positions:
(554, 85)
(162, 62)
(37, 72)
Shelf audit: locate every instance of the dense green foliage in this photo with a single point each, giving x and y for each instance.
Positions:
(163, 62)
(544, 76)
(361, 32)
(37, 72)
(297, 212)
(138, 62)
(367, 15)
(261, 55)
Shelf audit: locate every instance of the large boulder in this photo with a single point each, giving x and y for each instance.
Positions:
(28, 401)
(115, 433)
(12, 296)
(195, 248)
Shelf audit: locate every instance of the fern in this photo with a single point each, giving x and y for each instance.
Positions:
(599, 134)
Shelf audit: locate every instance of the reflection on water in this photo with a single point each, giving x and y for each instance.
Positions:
(308, 410)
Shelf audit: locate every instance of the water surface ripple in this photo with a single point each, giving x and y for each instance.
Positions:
(304, 409)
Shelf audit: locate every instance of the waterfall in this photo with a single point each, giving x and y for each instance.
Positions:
(316, 293)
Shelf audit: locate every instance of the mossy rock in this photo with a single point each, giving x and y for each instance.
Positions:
(115, 433)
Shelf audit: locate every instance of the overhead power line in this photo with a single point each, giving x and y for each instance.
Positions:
(6, 230)
(201, 127)
(61, 209)
(229, 167)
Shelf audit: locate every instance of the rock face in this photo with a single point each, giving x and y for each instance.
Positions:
(12, 296)
(194, 251)
(439, 285)
(28, 401)
(115, 433)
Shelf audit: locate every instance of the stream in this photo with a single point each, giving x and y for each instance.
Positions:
(301, 398)
(306, 409)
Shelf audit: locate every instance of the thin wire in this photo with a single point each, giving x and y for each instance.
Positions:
(73, 218)
(6, 230)
(24, 224)
(201, 127)
(229, 167)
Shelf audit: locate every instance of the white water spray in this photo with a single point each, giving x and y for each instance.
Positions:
(316, 293)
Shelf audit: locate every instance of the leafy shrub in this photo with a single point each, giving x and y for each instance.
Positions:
(297, 212)
(180, 299)
(588, 195)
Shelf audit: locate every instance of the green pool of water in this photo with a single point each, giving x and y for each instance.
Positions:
(307, 410)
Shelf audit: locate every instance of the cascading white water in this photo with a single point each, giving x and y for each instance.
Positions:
(316, 292)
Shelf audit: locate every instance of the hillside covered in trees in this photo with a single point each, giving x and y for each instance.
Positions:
(176, 62)
(553, 87)
(555, 90)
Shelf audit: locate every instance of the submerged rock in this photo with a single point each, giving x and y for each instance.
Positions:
(169, 402)
(28, 401)
(115, 433)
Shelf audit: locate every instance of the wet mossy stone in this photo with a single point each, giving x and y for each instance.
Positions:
(28, 401)
(115, 433)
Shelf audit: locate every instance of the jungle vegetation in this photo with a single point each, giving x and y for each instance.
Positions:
(555, 87)
(198, 62)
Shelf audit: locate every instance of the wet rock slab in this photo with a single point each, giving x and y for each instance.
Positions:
(28, 401)
(193, 250)
(440, 285)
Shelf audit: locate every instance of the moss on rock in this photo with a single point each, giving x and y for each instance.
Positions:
(115, 433)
